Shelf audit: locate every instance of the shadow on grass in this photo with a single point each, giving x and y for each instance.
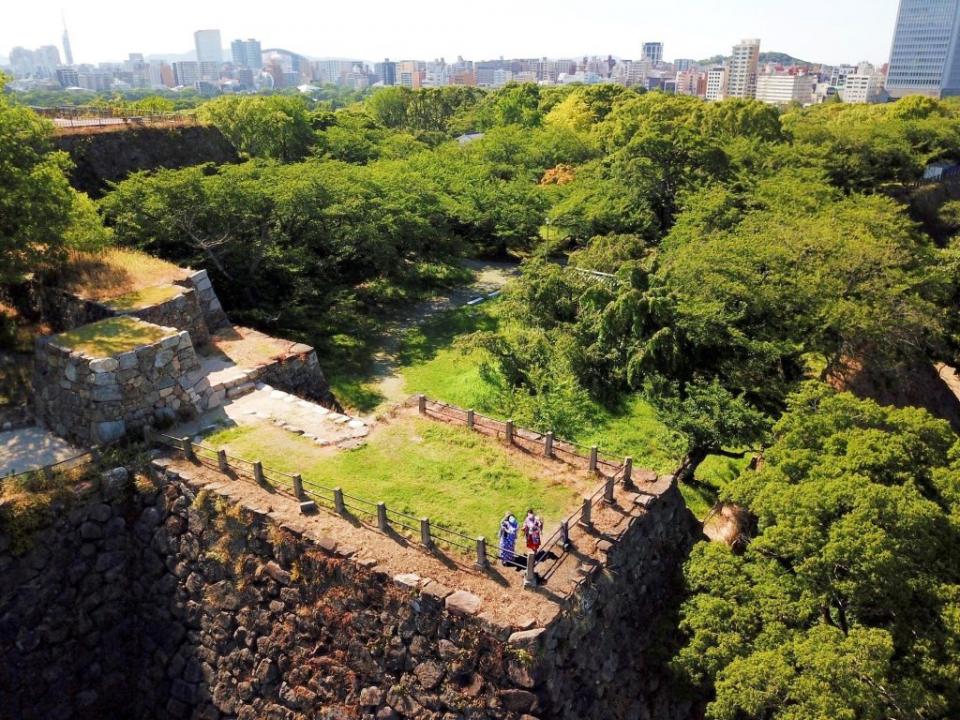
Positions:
(421, 344)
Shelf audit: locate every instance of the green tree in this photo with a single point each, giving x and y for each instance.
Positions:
(844, 604)
(276, 127)
(41, 216)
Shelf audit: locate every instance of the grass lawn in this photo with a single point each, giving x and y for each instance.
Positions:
(433, 365)
(140, 299)
(457, 478)
(110, 337)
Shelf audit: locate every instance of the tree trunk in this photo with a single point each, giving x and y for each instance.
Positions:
(691, 462)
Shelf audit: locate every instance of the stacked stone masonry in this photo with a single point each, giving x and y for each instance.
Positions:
(183, 312)
(95, 400)
(159, 601)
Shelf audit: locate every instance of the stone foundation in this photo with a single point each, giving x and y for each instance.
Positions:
(213, 313)
(181, 312)
(94, 400)
(166, 601)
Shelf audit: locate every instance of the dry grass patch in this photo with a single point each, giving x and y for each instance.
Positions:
(115, 272)
(249, 348)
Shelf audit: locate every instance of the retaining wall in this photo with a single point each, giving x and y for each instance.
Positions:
(210, 307)
(93, 400)
(164, 602)
(182, 312)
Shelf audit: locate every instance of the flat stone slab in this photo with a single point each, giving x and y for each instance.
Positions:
(32, 448)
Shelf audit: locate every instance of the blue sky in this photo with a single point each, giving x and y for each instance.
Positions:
(831, 31)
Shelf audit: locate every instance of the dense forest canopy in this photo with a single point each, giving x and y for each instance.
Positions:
(728, 262)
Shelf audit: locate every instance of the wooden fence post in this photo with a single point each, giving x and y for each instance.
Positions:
(608, 491)
(298, 487)
(530, 577)
(470, 419)
(594, 451)
(548, 445)
(508, 432)
(382, 523)
(425, 533)
(628, 471)
(422, 404)
(482, 562)
(187, 446)
(585, 514)
(258, 473)
(222, 461)
(338, 504)
(565, 535)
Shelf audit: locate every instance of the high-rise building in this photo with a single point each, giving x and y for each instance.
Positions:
(68, 77)
(716, 83)
(247, 54)
(653, 51)
(186, 73)
(783, 88)
(209, 48)
(386, 72)
(863, 86)
(743, 68)
(67, 51)
(925, 57)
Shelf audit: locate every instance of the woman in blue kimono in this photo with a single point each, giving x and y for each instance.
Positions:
(509, 527)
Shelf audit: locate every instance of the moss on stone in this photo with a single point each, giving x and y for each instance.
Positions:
(111, 337)
(145, 298)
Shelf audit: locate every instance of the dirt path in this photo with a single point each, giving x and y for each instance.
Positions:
(386, 378)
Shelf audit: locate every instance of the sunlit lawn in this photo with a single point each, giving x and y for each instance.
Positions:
(457, 478)
(434, 366)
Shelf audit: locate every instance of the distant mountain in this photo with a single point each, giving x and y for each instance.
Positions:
(777, 58)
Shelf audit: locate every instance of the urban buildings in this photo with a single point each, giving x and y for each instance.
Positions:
(67, 50)
(716, 83)
(386, 72)
(924, 59)
(863, 86)
(209, 48)
(784, 88)
(186, 73)
(743, 69)
(247, 54)
(653, 51)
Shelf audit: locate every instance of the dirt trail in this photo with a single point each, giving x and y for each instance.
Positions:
(386, 380)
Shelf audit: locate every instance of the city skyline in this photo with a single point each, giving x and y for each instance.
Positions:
(613, 27)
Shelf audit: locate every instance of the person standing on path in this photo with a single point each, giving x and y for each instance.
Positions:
(508, 538)
(532, 530)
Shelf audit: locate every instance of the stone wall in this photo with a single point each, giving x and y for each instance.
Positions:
(182, 312)
(166, 602)
(208, 301)
(98, 400)
(104, 157)
(299, 373)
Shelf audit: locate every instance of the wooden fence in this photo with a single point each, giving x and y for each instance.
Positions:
(430, 532)
(48, 471)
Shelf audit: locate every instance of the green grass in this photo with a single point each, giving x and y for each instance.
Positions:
(110, 337)
(434, 366)
(457, 478)
(141, 299)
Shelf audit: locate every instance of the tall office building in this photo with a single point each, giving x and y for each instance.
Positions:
(386, 72)
(925, 58)
(716, 83)
(743, 68)
(67, 51)
(247, 54)
(208, 46)
(653, 51)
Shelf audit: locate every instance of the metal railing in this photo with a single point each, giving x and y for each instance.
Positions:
(85, 116)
